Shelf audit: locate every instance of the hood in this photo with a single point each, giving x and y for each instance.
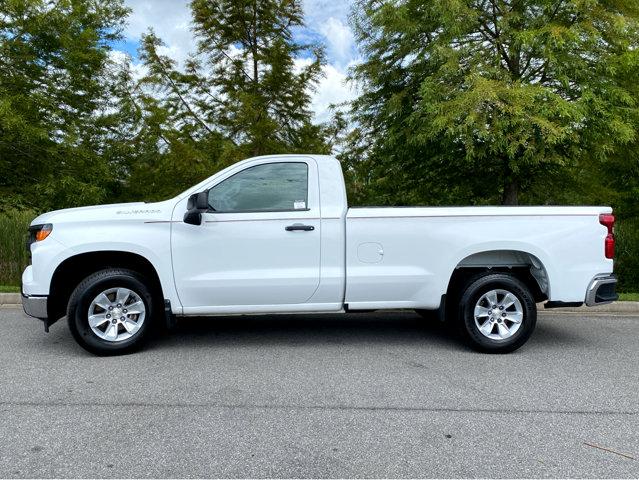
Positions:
(140, 211)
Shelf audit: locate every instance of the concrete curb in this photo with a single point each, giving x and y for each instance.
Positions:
(15, 300)
(615, 307)
(10, 299)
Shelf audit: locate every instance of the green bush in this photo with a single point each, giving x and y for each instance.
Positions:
(627, 254)
(13, 254)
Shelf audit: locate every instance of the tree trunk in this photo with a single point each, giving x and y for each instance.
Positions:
(511, 190)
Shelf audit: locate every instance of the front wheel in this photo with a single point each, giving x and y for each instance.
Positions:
(497, 313)
(110, 312)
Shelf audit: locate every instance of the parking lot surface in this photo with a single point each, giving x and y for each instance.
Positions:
(358, 395)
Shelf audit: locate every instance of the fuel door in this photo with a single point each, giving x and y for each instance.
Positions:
(370, 252)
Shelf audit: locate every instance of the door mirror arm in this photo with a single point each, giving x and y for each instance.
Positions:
(197, 204)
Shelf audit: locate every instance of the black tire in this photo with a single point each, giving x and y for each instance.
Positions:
(473, 292)
(86, 292)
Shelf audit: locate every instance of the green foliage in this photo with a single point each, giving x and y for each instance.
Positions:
(53, 65)
(13, 254)
(492, 96)
(9, 289)
(259, 100)
(627, 255)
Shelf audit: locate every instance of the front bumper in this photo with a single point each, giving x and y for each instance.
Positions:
(602, 290)
(35, 306)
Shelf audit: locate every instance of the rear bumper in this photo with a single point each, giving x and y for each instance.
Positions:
(35, 306)
(602, 290)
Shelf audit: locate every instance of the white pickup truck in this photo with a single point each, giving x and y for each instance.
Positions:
(274, 235)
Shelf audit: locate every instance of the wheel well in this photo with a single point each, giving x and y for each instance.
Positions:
(525, 267)
(75, 269)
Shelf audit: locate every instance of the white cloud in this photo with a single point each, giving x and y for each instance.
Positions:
(332, 90)
(340, 40)
(330, 19)
(171, 21)
(317, 12)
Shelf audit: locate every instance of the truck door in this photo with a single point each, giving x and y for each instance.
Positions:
(259, 243)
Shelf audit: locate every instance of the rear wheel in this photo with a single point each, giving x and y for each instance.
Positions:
(497, 313)
(111, 311)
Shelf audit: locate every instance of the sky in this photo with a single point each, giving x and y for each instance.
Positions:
(326, 21)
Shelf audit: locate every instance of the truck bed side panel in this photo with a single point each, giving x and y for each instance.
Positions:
(404, 257)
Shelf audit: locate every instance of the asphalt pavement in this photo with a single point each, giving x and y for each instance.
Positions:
(358, 395)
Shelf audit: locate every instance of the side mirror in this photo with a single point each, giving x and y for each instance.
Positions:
(198, 203)
(193, 217)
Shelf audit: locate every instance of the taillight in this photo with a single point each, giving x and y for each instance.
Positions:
(608, 221)
(610, 246)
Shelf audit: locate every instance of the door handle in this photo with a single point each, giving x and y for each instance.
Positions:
(299, 226)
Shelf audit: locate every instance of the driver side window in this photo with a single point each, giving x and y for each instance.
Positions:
(263, 188)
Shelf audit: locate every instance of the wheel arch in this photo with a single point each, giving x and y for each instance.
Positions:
(524, 265)
(70, 272)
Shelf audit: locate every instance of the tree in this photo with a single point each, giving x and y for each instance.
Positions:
(260, 96)
(496, 97)
(175, 143)
(241, 94)
(53, 102)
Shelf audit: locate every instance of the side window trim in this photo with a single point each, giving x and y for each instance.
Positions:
(290, 210)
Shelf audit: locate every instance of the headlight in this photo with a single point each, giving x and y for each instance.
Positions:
(37, 233)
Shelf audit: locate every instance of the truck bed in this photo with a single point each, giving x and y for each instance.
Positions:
(404, 257)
